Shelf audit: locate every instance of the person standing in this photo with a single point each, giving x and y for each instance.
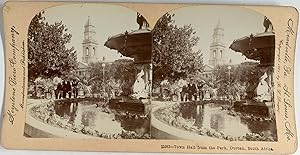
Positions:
(58, 94)
(200, 93)
(56, 82)
(64, 89)
(75, 88)
(190, 92)
(206, 91)
(181, 84)
(69, 89)
(183, 93)
(60, 90)
(194, 91)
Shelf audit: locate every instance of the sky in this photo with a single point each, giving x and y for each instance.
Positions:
(237, 23)
(111, 20)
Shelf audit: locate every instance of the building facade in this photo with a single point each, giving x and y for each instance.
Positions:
(82, 71)
(217, 54)
(89, 43)
(207, 74)
(217, 47)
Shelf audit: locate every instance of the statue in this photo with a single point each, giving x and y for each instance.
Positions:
(268, 25)
(263, 92)
(141, 21)
(139, 86)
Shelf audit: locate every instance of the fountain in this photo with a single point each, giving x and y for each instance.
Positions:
(137, 45)
(125, 117)
(216, 119)
(260, 47)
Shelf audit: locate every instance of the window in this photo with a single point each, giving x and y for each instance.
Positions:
(87, 51)
(221, 53)
(94, 49)
(214, 52)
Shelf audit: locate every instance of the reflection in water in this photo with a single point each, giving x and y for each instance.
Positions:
(217, 122)
(211, 116)
(199, 116)
(87, 115)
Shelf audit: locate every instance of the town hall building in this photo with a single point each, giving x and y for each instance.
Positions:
(217, 53)
(89, 47)
(89, 43)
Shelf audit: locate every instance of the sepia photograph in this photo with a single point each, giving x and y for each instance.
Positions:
(149, 77)
(89, 73)
(213, 72)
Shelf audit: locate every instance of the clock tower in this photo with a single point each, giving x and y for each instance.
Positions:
(89, 43)
(217, 47)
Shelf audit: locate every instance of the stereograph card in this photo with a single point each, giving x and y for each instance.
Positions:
(138, 77)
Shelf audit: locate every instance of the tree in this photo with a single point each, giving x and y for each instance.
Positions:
(173, 55)
(96, 76)
(48, 55)
(243, 76)
(120, 74)
(125, 71)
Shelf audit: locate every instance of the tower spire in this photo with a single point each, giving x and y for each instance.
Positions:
(217, 46)
(88, 21)
(89, 42)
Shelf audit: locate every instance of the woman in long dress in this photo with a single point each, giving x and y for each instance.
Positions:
(139, 86)
(263, 89)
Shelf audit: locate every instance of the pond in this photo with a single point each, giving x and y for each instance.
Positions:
(211, 116)
(215, 121)
(94, 118)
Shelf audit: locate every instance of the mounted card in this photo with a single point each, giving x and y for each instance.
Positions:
(188, 78)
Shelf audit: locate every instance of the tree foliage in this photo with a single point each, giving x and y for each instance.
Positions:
(243, 78)
(173, 56)
(48, 55)
(118, 74)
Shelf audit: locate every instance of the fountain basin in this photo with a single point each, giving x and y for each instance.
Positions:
(211, 121)
(84, 119)
(125, 103)
(259, 47)
(259, 109)
(136, 44)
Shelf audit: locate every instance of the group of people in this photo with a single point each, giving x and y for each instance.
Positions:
(194, 91)
(191, 91)
(62, 88)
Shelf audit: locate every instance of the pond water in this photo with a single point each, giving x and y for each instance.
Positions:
(211, 116)
(104, 121)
